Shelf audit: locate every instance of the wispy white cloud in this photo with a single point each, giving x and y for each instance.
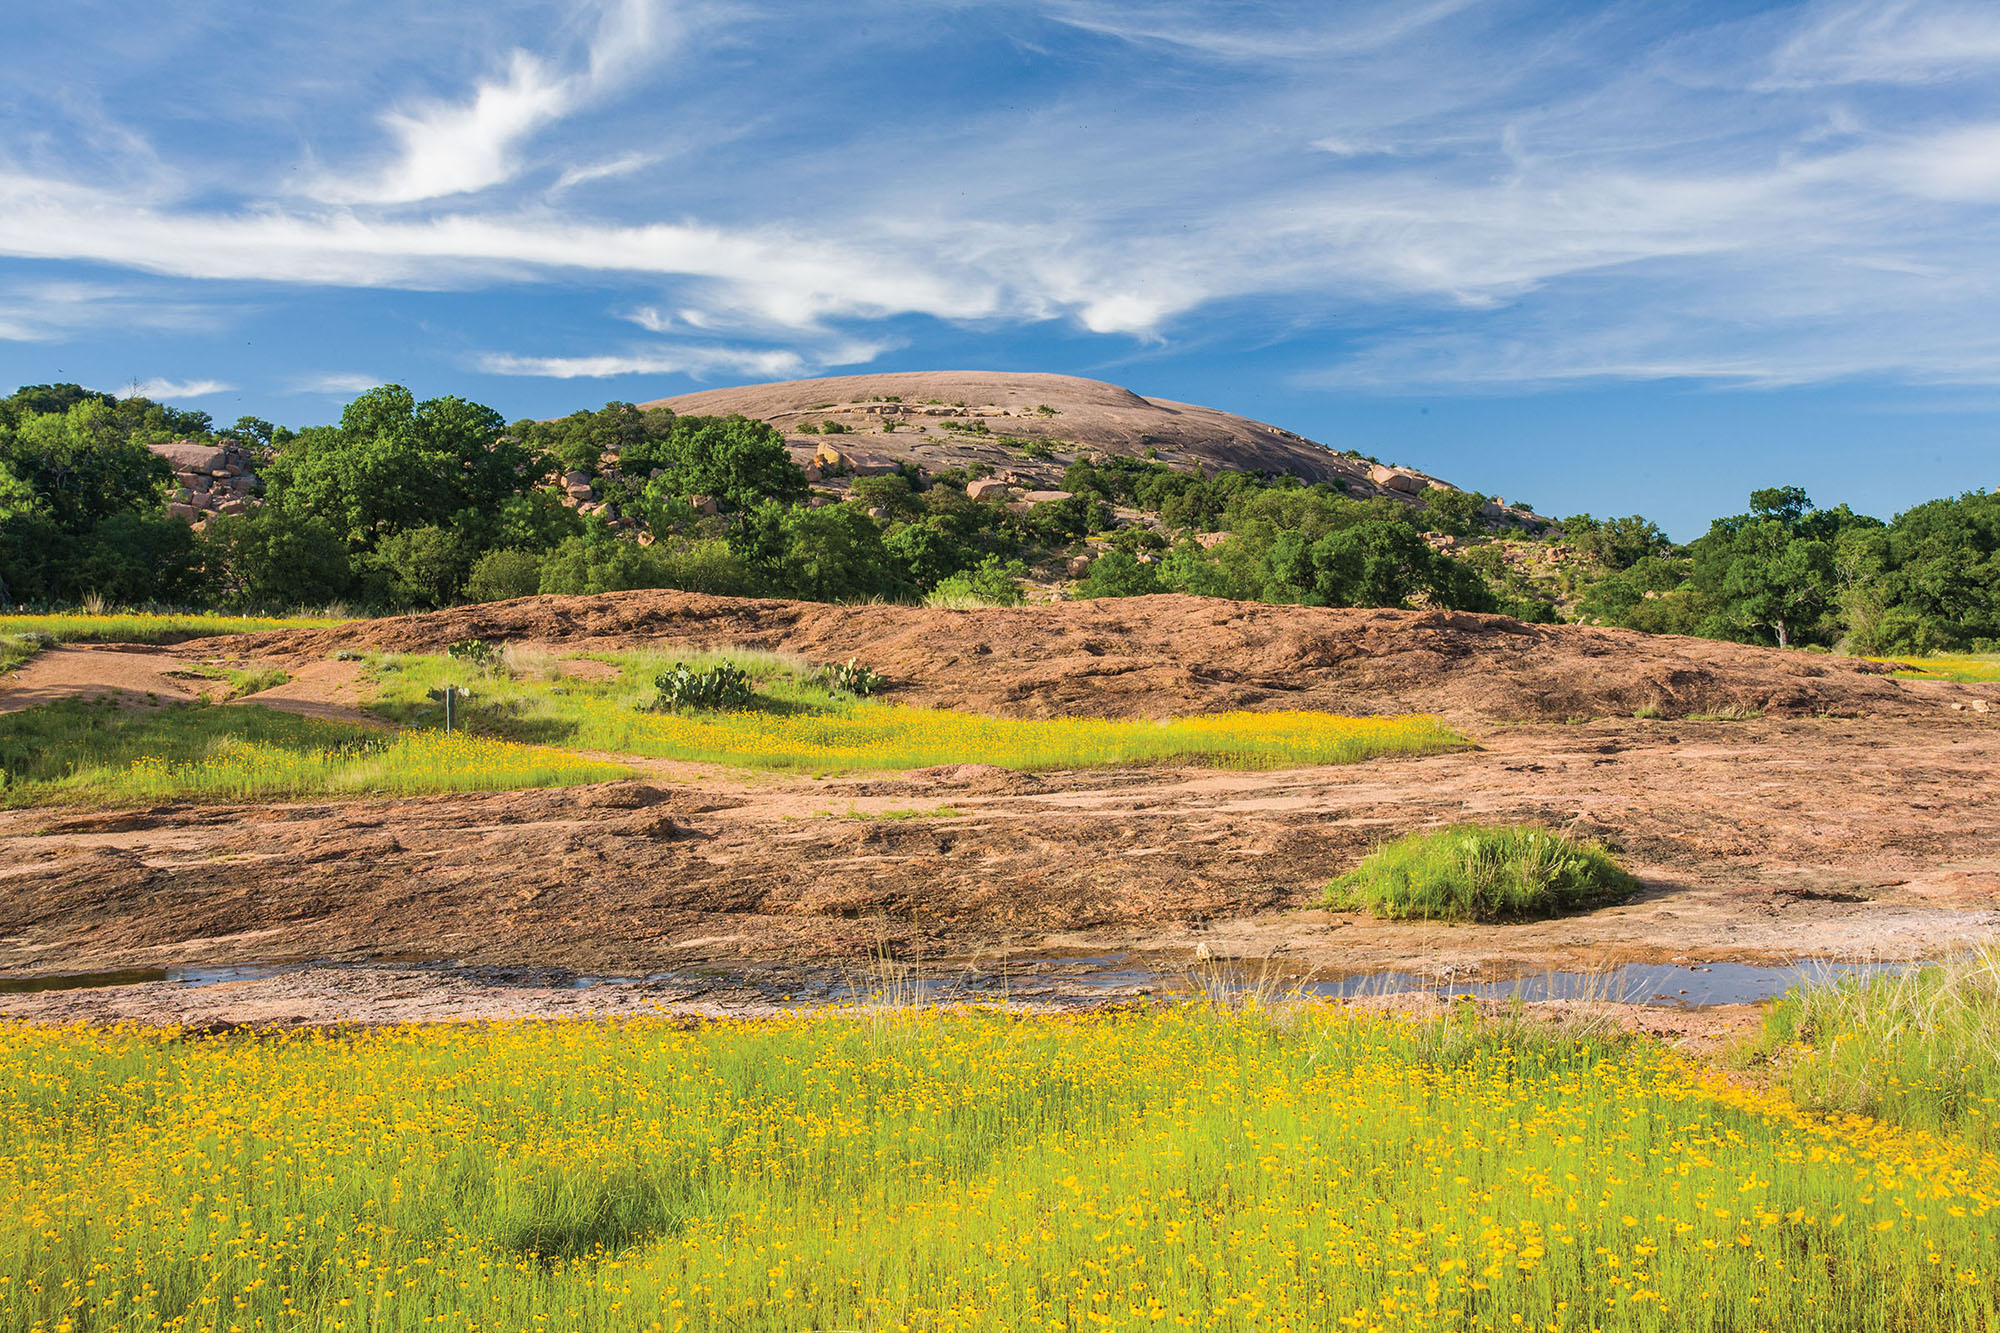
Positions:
(699, 360)
(1289, 33)
(445, 148)
(166, 390)
(1501, 193)
(623, 165)
(1900, 41)
(337, 383)
(59, 310)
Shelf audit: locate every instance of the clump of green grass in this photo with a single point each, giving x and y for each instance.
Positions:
(22, 646)
(77, 751)
(1481, 872)
(798, 722)
(242, 681)
(1920, 1047)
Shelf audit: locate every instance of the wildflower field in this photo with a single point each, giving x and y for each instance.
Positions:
(802, 726)
(77, 751)
(1285, 1168)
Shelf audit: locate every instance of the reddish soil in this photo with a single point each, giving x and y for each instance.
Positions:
(135, 676)
(1153, 656)
(1799, 833)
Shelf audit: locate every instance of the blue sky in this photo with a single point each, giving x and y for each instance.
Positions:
(1611, 257)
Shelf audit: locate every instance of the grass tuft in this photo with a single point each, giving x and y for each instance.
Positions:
(1481, 872)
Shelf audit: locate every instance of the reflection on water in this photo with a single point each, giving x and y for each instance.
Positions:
(1083, 981)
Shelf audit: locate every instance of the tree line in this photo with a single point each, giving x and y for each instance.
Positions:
(409, 505)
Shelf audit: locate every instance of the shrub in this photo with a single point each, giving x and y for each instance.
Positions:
(499, 575)
(721, 687)
(1481, 872)
(994, 582)
(1119, 574)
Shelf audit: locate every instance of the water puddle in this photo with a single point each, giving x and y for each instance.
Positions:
(1082, 980)
(135, 976)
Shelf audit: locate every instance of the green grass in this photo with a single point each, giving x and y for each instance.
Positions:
(1920, 1047)
(1481, 872)
(149, 627)
(801, 725)
(1970, 668)
(77, 751)
(242, 682)
(23, 636)
(1254, 1170)
(21, 646)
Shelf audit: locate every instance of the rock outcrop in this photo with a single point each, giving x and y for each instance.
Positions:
(210, 479)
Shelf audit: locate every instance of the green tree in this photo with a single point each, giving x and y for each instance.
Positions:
(1770, 573)
(502, 574)
(1119, 573)
(275, 558)
(419, 568)
(1373, 563)
(83, 465)
(834, 553)
(394, 464)
(735, 461)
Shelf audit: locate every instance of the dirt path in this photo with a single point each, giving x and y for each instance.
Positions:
(137, 677)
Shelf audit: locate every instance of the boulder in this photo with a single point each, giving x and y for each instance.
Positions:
(989, 488)
(1044, 497)
(1395, 479)
(704, 504)
(1079, 565)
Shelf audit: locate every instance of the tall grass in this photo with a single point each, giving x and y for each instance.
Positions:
(803, 726)
(78, 751)
(1921, 1047)
(1179, 1168)
(1481, 872)
(149, 627)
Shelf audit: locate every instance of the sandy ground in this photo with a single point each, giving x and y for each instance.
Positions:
(1769, 839)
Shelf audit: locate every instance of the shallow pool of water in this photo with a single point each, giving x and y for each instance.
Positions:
(1080, 980)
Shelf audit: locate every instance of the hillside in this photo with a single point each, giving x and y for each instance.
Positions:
(1168, 655)
(941, 419)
